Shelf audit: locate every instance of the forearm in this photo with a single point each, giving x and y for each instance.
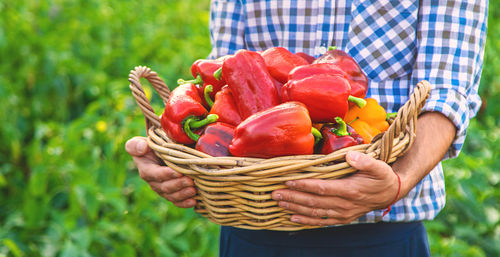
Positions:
(434, 135)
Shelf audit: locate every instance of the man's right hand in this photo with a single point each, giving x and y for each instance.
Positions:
(165, 181)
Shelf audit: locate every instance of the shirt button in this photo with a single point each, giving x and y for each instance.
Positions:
(320, 50)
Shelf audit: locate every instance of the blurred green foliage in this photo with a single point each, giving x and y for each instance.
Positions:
(470, 223)
(67, 187)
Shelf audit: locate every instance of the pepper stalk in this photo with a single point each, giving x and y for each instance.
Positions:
(198, 81)
(342, 128)
(317, 135)
(193, 122)
(360, 102)
(206, 94)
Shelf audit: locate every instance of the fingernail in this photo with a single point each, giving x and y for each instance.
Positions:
(294, 219)
(278, 197)
(354, 156)
(283, 204)
(189, 193)
(141, 146)
(191, 202)
(176, 174)
(290, 183)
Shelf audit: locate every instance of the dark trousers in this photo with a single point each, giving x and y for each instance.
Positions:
(364, 240)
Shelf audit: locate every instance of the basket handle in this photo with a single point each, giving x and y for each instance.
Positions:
(405, 119)
(140, 97)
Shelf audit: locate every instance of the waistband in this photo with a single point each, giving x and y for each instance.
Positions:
(348, 235)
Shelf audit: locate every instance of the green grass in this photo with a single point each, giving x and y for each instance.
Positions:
(67, 187)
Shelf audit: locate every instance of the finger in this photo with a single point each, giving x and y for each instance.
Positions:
(342, 188)
(311, 211)
(136, 146)
(365, 162)
(311, 200)
(148, 164)
(319, 221)
(152, 172)
(181, 195)
(171, 186)
(189, 203)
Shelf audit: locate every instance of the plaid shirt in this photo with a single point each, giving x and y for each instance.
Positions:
(397, 43)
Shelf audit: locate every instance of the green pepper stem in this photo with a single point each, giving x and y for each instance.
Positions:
(360, 102)
(332, 48)
(218, 73)
(206, 93)
(211, 118)
(342, 129)
(391, 115)
(193, 123)
(188, 131)
(198, 80)
(317, 135)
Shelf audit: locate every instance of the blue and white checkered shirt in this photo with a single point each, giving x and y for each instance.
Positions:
(396, 42)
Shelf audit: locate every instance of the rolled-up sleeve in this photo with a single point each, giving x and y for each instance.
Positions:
(227, 27)
(451, 38)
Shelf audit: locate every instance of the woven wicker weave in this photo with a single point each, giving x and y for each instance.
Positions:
(236, 191)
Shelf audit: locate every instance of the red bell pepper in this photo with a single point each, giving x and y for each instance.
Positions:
(184, 112)
(338, 136)
(357, 79)
(280, 62)
(251, 84)
(325, 95)
(206, 72)
(198, 83)
(308, 58)
(278, 85)
(313, 69)
(285, 129)
(225, 107)
(216, 139)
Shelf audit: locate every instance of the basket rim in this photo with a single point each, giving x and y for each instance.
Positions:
(382, 145)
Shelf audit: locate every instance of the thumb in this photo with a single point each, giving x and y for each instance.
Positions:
(137, 146)
(364, 162)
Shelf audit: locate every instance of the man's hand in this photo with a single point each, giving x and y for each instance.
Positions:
(341, 201)
(375, 185)
(165, 181)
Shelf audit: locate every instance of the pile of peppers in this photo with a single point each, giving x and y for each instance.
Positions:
(273, 103)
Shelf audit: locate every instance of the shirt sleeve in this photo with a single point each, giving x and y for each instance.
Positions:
(227, 27)
(451, 37)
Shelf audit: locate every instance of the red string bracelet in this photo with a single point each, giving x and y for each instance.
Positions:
(396, 198)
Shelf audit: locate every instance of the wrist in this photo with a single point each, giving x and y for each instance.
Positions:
(406, 181)
(427, 150)
(396, 198)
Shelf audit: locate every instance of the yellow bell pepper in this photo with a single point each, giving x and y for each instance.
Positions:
(369, 120)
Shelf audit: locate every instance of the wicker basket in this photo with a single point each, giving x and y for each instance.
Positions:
(236, 191)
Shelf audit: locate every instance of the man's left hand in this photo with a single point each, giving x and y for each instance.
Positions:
(341, 201)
